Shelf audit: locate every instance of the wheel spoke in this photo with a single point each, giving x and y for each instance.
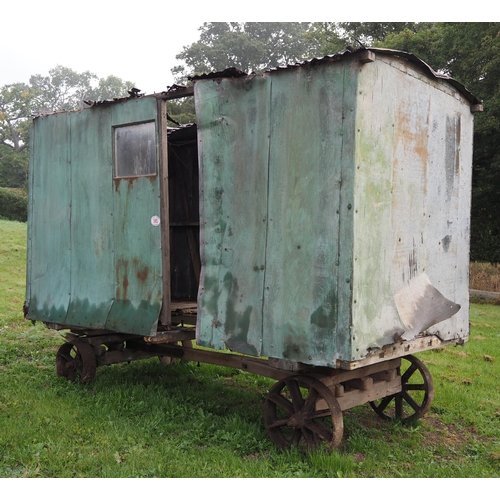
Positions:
(408, 373)
(318, 414)
(279, 423)
(416, 387)
(296, 437)
(282, 402)
(416, 407)
(308, 436)
(310, 402)
(319, 430)
(297, 400)
(385, 403)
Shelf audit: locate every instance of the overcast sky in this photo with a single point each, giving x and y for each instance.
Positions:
(135, 41)
(138, 41)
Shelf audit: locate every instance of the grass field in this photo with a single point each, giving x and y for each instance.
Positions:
(145, 419)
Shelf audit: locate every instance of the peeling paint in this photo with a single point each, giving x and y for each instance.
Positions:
(420, 306)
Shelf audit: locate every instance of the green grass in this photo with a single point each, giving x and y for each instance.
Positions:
(145, 419)
(12, 270)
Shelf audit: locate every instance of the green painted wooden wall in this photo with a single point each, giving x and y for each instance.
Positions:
(276, 161)
(94, 258)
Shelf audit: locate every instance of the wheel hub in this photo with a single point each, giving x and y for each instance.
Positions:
(296, 421)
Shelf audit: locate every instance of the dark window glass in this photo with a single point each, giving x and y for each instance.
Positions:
(135, 150)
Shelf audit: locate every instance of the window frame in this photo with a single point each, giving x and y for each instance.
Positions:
(119, 175)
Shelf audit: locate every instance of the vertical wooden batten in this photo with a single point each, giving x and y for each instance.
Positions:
(165, 315)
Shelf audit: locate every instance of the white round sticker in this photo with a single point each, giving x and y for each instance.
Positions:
(155, 220)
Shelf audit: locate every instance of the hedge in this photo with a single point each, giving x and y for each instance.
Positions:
(13, 204)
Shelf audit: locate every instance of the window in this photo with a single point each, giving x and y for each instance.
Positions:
(135, 150)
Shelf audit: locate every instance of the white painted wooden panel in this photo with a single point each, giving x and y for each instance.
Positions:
(411, 208)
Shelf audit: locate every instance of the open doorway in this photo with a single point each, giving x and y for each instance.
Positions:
(183, 194)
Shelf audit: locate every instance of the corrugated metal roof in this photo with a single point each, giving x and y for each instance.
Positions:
(235, 73)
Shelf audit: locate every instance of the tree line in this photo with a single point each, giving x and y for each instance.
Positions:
(467, 52)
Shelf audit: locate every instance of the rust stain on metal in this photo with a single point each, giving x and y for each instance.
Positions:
(131, 180)
(125, 287)
(142, 274)
(122, 279)
(414, 135)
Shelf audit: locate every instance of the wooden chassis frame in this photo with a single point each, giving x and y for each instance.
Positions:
(350, 387)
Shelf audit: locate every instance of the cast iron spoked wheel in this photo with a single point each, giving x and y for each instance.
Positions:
(76, 358)
(302, 411)
(415, 397)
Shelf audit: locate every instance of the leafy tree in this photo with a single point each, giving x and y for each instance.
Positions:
(109, 87)
(66, 89)
(246, 46)
(324, 39)
(15, 108)
(181, 111)
(370, 33)
(468, 52)
(63, 88)
(13, 168)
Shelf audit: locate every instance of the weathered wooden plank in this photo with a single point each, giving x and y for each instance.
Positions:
(233, 131)
(340, 376)
(365, 383)
(176, 93)
(92, 273)
(307, 161)
(397, 350)
(357, 397)
(49, 245)
(411, 202)
(172, 336)
(137, 237)
(164, 213)
(252, 365)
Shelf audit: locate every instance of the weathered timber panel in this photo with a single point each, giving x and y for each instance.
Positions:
(309, 168)
(137, 242)
(412, 195)
(94, 257)
(276, 158)
(49, 250)
(233, 127)
(92, 269)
